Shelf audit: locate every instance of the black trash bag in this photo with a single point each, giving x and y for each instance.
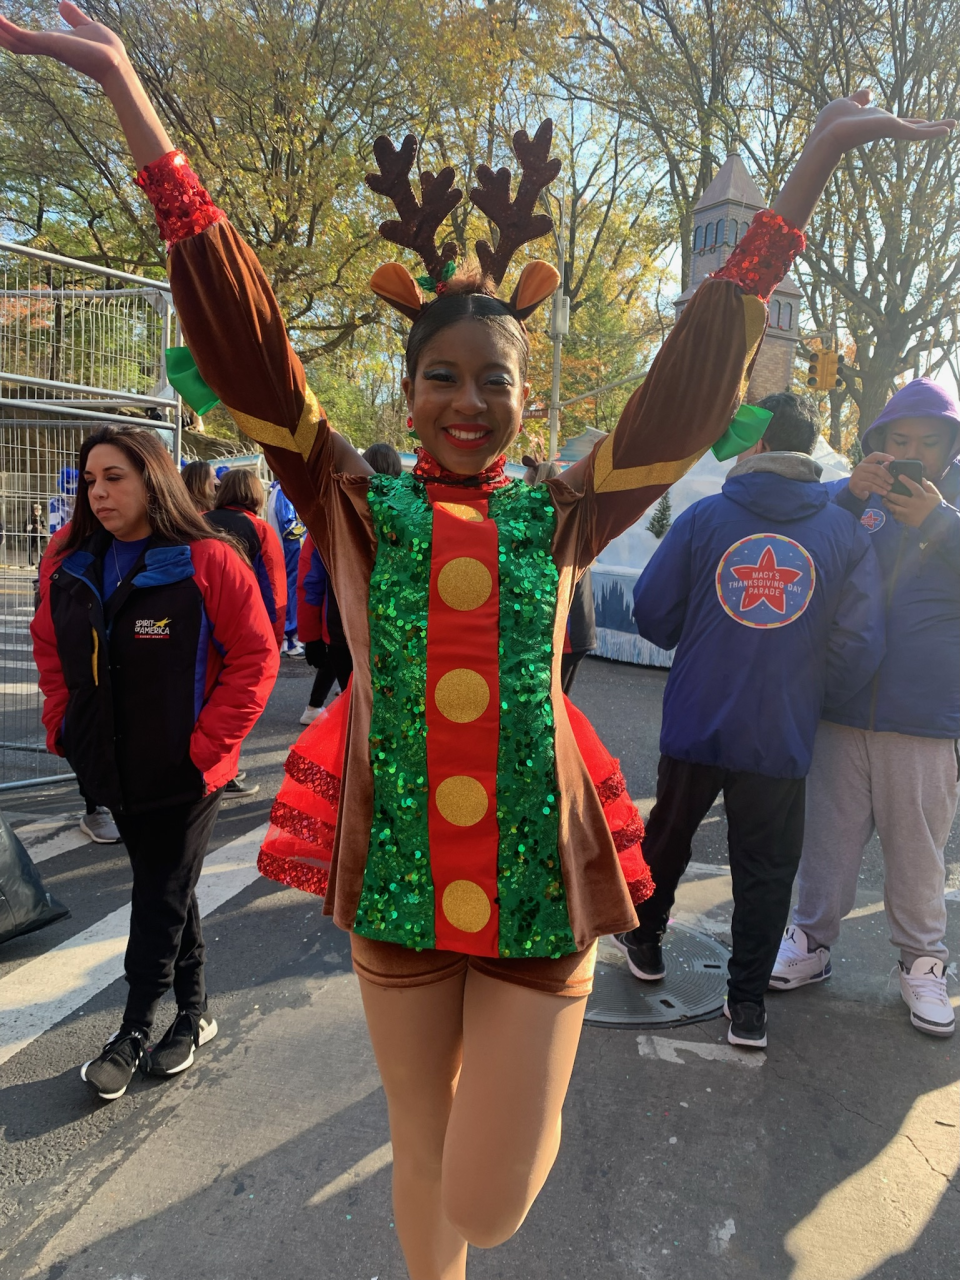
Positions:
(24, 903)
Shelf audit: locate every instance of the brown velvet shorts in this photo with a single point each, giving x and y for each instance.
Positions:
(387, 965)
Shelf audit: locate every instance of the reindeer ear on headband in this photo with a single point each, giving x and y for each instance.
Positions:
(394, 284)
(538, 280)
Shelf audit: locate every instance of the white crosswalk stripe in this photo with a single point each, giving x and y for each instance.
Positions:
(48, 837)
(39, 994)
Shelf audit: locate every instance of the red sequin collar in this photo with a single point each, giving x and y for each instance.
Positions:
(427, 468)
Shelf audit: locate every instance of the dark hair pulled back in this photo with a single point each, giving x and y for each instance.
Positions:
(466, 303)
(170, 508)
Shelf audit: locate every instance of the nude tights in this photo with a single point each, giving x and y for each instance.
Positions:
(475, 1072)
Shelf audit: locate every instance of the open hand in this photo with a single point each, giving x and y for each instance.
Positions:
(90, 48)
(924, 498)
(851, 122)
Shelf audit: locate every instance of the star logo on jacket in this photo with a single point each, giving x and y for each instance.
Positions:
(152, 629)
(873, 519)
(765, 580)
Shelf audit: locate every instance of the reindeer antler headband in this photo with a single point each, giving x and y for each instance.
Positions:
(419, 223)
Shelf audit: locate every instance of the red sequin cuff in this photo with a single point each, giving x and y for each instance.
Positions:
(764, 255)
(182, 204)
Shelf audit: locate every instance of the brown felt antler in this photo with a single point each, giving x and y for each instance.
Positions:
(419, 222)
(515, 219)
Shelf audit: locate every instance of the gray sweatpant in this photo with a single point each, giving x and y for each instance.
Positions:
(906, 789)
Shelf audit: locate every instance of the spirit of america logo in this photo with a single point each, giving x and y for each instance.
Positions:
(765, 580)
(150, 629)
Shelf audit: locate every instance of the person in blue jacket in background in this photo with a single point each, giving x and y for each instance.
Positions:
(771, 594)
(290, 529)
(886, 755)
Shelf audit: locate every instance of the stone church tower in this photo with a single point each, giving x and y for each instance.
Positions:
(721, 217)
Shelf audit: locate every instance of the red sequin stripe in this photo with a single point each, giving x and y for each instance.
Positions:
(611, 788)
(298, 875)
(641, 889)
(315, 776)
(632, 833)
(182, 204)
(315, 830)
(764, 255)
(427, 468)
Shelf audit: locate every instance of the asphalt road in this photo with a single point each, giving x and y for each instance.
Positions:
(833, 1156)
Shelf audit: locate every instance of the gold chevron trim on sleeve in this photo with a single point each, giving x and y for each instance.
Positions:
(300, 441)
(609, 479)
(309, 424)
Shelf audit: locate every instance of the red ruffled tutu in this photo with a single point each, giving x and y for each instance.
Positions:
(298, 847)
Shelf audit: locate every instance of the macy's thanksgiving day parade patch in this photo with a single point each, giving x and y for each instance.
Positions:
(765, 580)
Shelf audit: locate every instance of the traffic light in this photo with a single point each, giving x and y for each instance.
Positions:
(825, 370)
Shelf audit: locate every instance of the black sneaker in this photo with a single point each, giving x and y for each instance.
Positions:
(748, 1023)
(644, 959)
(114, 1069)
(174, 1053)
(237, 787)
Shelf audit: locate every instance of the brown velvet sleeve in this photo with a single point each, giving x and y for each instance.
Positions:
(232, 324)
(694, 387)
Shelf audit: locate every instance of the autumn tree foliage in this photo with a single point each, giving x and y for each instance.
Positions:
(278, 103)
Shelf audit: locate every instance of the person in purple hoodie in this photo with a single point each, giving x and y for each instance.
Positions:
(886, 757)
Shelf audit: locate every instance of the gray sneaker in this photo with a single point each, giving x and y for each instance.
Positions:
(100, 826)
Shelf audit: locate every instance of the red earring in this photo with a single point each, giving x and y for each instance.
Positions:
(410, 426)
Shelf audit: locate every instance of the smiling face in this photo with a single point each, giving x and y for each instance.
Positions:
(117, 493)
(466, 398)
(932, 440)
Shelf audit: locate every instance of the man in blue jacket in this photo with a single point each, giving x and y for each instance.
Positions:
(886, 756)
(772, 595)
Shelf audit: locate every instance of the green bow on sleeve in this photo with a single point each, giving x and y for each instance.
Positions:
(746, 428)
(184, 376)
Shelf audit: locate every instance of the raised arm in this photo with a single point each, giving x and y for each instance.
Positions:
(227, 309)
(699, 377)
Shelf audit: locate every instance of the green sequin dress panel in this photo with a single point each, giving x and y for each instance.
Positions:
(397, 900)
(534, 920)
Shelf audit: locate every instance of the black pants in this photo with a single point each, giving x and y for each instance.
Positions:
(337, 665)
(569, 666)
(765, 837)
(166, 848)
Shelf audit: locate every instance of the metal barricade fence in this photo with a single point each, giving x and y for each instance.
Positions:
(78, 345)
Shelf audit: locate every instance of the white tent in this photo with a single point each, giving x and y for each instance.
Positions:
(620, 564)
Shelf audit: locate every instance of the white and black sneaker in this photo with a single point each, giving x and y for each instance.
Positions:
(644, 959)
(113, 1070)
(748, 1023)
(797, 964)
(175, 1051)
(924, 991)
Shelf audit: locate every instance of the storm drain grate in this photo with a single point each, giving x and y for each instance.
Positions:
(692, 990)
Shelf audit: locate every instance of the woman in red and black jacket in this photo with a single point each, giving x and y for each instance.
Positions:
(239, 501)
(156, 657)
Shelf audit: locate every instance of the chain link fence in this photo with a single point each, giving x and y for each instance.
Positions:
(79, 346)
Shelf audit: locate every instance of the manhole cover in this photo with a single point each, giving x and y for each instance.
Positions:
(692, 991)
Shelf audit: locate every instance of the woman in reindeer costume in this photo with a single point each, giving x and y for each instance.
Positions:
(472, 864)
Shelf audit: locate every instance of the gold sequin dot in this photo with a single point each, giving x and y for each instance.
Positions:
(464, 583)
(462, 800)
(466, 906)
(462, 695)
(461, 510)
